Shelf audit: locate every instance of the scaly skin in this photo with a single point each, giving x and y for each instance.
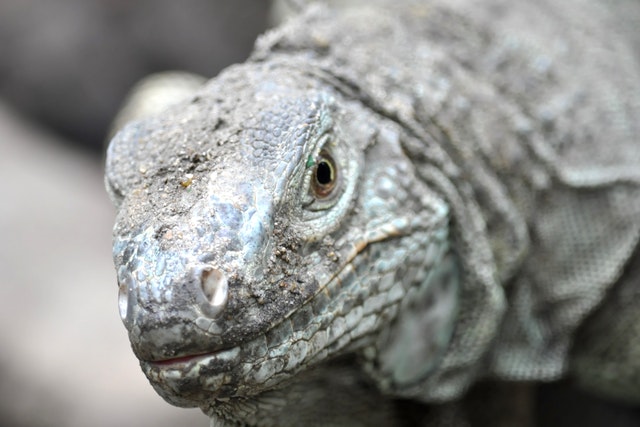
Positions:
(363, 209)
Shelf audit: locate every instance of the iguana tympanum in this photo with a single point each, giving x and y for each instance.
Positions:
(387, 203)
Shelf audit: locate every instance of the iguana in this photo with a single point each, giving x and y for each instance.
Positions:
(388, 202)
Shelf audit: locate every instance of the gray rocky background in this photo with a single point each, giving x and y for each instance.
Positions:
(65, 66)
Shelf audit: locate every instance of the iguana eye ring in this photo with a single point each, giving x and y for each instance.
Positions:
(325, 176)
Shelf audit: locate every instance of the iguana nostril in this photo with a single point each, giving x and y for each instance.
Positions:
(124, 298)
(215, 288)
(122, 301)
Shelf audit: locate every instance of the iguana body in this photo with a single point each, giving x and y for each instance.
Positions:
(388, 202)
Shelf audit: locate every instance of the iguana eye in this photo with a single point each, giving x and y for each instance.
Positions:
(324, 178)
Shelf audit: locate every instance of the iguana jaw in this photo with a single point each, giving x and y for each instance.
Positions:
(341, 316)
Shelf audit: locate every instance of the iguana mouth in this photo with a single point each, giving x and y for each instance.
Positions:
(185, 363)
(386, 232)
(181, 360)
(325, 324)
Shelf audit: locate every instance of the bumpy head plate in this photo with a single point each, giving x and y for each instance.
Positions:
(266, 226)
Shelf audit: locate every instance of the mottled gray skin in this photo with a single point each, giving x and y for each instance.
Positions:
(484, 202)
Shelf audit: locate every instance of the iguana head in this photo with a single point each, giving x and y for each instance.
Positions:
(266, 225)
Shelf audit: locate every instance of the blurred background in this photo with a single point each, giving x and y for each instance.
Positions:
(65, 67)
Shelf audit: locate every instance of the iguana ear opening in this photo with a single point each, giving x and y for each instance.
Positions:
(412, 347)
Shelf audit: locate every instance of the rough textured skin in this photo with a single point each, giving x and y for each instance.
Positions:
(387, 204)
